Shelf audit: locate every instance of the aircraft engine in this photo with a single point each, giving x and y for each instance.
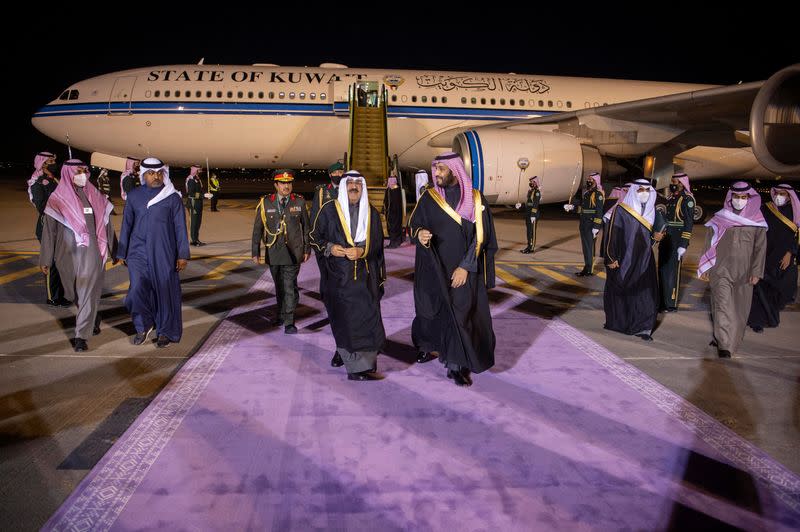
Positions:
(501, 161)
(775, 123)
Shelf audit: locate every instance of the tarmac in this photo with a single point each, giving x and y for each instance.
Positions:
(60, 411)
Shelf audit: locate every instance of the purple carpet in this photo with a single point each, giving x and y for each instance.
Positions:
(258, 432)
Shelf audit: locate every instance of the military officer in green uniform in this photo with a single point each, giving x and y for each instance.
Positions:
(194, 202)
(680, 220)
(590, 211)
(531, 210)
(214, 188)
(327, 192)
(282, 223)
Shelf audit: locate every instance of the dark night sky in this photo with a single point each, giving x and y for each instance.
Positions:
(663, 46)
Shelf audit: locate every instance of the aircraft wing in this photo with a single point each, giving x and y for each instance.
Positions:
(725, 108)
(763, 114)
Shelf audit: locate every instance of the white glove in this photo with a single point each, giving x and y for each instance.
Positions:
(569, 207)
(594, 232)
(517, 206)
(681, 251)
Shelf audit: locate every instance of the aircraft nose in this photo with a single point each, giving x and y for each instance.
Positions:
(48, 124)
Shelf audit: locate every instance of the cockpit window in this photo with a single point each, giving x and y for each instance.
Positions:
(64, 96)
(73, 94)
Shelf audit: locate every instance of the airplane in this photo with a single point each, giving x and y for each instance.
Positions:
(507, 127)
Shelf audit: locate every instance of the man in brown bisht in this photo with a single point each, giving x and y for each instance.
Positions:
(79, 239)
(734, 263)
(454, 267)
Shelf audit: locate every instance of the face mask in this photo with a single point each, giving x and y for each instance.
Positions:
(79, 180)
(780, 201)
(52, 168)
(738, 204)
(643, 196)
(673, 188)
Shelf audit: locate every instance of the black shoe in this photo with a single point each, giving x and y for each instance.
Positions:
(423, 357)
(757, 328)
(140, 337)
(365, 376)
(526, 250)
(670, 309)
(645, 337)
(584, 272)
(337, 361)
(65, 303)
(290, 329)
(162, 341)
(52, 302)
(724, 353)
(96, 330)
(198, 243)
(81, 345)
(461, 378)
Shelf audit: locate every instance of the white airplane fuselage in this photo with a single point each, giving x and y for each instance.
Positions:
(297, 117)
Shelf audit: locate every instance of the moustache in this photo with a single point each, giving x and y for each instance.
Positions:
(352, 190)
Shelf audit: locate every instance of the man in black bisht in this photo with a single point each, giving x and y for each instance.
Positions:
(778, 287)
(393, 208)
(630, 298)
(348, 235)
(454, 266)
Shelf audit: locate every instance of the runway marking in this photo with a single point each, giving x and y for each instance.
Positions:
(8, 260)
(517, 283)
(9, 277)
(221, 257)
(557, 276)
(219, 272)
(93, 356)
(121, 287)
(538, 263)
